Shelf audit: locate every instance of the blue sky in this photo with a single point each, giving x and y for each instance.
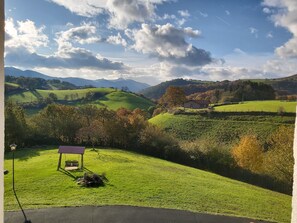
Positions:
(153, 40)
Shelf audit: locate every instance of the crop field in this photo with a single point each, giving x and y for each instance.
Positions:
(220, 127)
(137, 180)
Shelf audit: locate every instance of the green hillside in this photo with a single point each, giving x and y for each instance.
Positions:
(137, 180)
(120, 99)
(266, 106)
(109, 97)
(219, 127)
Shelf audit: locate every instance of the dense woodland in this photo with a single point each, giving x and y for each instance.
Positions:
(37, 83)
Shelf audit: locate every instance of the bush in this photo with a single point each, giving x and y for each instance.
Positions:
(92, 180)
(248, 153)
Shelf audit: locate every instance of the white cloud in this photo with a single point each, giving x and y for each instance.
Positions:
(203, 14)
(181, 22)
(24, 33)
(285, 15)
(227, 12)
(67, 57)
(24, 39)
(168, 43)
(184, 13)
(239, 51)
(254, 31)
(167, 16)
(84, 34)
(87, 8)
(117, 40)
(266, 10)
(269, 35)
(121, 12)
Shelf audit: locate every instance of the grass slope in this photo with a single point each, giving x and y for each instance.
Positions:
(219, 127)
(140, 181)
(112, 98)
(120, 99)
(266, 106)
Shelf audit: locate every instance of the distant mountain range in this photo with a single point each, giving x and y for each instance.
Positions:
(120, 83)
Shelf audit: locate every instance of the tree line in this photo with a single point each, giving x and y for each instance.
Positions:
(268, 164)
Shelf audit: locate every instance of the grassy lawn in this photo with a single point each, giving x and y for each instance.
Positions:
(267, 106)
(140, 181)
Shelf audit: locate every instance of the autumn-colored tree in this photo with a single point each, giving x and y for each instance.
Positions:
(94, 134)
(248, 153)
(279, 160)
(173, 97)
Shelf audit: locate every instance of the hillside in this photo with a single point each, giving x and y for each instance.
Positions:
(220, 127)
(265, 106)
(286, 85)
(120, 83)
(100, 97)
(137, 180)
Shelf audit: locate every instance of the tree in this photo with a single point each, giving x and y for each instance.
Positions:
(248, 153)
(279, 160)
(173, 97)
(95, 133)
(16, 128)
(59, 121)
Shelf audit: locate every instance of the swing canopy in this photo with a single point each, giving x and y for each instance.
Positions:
(71, 150)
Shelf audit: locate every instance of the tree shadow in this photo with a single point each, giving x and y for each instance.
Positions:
(23, 154)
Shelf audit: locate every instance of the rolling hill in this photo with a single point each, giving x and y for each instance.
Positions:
(103, 97)
(137, 180)
(120, 83)
(285, 85)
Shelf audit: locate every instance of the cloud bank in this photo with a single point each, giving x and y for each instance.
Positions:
(169, 44)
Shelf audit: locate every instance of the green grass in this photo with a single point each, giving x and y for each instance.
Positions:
(266, 106)
(120, 99)
(79, 93)
(139, 181)
(220, 127)
(112, 98)
(31, 96)
(12, 84)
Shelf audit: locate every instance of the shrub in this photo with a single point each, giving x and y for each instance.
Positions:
(248, 153)
(92, 180)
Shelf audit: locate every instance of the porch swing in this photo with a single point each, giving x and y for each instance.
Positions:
(71, 164)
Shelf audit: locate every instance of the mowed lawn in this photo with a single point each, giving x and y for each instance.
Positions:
(137, 180)
(265, 106)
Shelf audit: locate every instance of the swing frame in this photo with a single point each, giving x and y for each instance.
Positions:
(71, 150)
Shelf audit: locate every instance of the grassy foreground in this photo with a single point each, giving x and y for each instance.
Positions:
(140, 181)
(265, 106)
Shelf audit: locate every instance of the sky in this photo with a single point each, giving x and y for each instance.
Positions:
(152, 41)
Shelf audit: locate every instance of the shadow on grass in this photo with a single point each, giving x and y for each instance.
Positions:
(23, 154)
